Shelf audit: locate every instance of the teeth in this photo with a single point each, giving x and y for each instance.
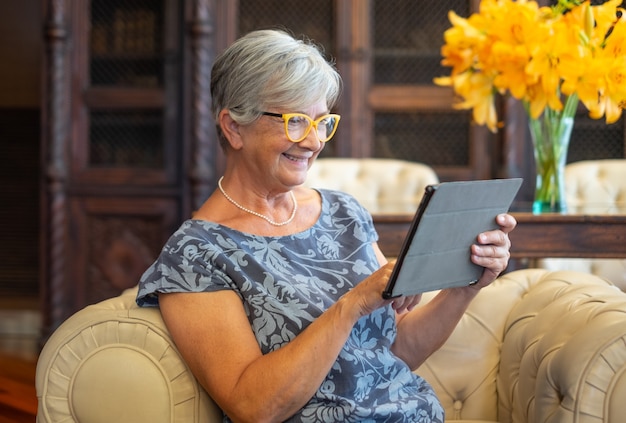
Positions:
(295, 159)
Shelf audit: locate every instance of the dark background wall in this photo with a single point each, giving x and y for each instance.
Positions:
(21, 45)
(20, 53)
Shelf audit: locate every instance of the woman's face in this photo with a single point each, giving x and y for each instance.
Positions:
(270, 154)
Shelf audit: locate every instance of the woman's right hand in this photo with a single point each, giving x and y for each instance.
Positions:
(367, 295)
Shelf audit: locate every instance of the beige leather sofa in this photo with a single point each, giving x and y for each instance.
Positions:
(594, 186)
(381, 185)
(535, 346)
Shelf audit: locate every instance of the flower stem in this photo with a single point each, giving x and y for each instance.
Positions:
(551, 134)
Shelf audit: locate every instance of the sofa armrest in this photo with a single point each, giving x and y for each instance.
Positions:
(115, 362)
(563, 357)
(585, 380)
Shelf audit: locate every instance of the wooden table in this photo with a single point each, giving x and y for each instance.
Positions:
(536, 236)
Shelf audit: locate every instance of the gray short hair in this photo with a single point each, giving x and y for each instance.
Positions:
(270, 68)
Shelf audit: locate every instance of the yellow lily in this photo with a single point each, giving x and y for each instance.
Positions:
(537, 55)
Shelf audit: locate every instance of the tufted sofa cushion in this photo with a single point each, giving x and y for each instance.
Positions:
(381, 185)
(535, 346)
(594, 186)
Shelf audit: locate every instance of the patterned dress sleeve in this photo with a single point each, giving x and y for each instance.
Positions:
(187, 263)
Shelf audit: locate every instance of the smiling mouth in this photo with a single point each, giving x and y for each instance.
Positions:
(294, 158)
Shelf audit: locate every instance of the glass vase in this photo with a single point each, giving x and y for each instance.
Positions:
(551, 133)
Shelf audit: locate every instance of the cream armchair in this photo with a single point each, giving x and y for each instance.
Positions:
(380, 185)
(594, 186)
(535, 346)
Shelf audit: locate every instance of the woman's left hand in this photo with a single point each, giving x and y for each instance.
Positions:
(492, 250)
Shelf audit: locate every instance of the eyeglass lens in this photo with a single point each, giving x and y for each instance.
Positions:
(298, 127)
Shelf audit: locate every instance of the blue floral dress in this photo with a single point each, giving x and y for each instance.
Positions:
(285, 283)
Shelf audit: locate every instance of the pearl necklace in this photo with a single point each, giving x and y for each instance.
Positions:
(270, 221)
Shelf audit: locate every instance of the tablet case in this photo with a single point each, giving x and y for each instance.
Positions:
(436, 251)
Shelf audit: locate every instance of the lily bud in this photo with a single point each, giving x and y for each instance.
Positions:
(589, 21)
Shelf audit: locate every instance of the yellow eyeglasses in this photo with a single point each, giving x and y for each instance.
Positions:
(298, 125)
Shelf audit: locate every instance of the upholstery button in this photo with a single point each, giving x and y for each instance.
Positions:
(458, 404)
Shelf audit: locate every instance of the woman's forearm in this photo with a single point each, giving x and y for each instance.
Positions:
(425, 329)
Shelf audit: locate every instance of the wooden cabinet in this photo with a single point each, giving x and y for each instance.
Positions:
(129, 147)
(127, 144)
(388, 52)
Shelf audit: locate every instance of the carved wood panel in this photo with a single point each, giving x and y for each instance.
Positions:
(112, 242)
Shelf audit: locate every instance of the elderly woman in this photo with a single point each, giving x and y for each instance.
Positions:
(272, 292)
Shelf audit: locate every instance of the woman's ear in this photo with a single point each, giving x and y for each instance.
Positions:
(230, 129)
